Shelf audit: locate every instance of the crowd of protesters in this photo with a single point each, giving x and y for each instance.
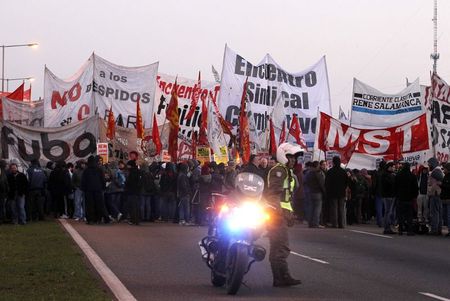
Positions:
(396, 197)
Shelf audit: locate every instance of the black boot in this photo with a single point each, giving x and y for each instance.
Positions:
(282, 278)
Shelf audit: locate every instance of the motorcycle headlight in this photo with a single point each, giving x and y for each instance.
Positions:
(249, 215)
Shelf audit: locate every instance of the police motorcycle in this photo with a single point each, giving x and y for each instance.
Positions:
(236, 222)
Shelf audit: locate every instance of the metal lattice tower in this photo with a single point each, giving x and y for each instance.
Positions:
(435, 56)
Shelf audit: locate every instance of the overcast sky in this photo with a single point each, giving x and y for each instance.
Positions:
(380, 42)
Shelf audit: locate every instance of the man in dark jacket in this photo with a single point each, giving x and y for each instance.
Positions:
(4, 189)
(336, 182)
(183, 194)
(93, 185)
(38, 182)
(18, 187)
(388, 194)
(406, 190)
(133, 189)
(316, 187)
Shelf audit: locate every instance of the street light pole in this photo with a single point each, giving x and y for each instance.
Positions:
(3, 58)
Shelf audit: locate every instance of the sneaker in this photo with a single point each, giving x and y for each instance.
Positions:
(182, 223)
(64, 216)
(119, 217)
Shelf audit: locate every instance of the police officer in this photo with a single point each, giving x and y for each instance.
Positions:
(281, 185)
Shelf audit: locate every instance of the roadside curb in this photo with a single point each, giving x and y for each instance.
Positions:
(115, 285)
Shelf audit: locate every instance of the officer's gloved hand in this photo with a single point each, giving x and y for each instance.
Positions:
(289, 217)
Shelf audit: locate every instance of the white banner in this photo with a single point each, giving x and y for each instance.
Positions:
(185, 95)
(24, 112)
(372, 108)
(69, 143)
(303, 93)
(440, 118)
(122, 87)
(70, 100)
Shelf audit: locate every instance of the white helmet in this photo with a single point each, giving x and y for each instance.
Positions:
(288, 149)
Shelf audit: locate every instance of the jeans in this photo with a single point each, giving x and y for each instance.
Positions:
(2, 209)
(113, 203)
(78, 204)
(389, 204)
(422, 207)
(379, 210)
(337, 212)
(18, 210)
(168, 205)
(307, 206)
(37, 200)
(436, 214)
(316, 209)
(448, 217)
(134, 201)
(146, 207)
(183, 208)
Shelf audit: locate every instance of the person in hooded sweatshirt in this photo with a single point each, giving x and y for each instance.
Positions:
(388, 194)
(434, 191)
(183, 194)
(93, 185)
(406, 190)
(445, 195)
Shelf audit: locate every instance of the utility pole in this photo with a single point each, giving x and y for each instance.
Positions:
(435, 56)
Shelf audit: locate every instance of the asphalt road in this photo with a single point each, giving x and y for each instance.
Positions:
(158, 261)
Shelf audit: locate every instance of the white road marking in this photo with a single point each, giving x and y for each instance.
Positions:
(119, 290)
(434, 296)
(310, 258)
(373, 234)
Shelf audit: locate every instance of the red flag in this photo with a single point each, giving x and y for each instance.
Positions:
(195, 96)
(18, 93)
(283, 133)
(273, 143)
(296, 132)
(194, 145)
(139, 122)
(227, 127)
(203, 138)
(244, 130)
(174, 121)
(27, 94)
(347, 152)
(111, 130)
(155, 135)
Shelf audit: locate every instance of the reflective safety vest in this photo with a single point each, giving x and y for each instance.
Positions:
(288, 186)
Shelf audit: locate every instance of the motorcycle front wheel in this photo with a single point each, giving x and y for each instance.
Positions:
(217, 280)
(237, 263)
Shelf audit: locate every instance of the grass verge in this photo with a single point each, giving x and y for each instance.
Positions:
(40, 261)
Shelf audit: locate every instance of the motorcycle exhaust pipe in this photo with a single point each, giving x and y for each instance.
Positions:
(257, 252)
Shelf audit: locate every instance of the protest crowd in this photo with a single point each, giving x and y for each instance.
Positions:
(397, 197)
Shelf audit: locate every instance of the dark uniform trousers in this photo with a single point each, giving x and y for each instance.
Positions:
(279, 248)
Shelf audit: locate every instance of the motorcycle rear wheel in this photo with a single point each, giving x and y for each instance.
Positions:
(236, 267)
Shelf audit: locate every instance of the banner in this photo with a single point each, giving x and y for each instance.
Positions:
(102, 151)
(24, 112)
(203, 154)
(121, 87)
(70, 143)
(368, 145)
(303, 92)
(185, 94)
(440, 117)
(372, 108)
(96, 87)
(124, 142)
(69, 100)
